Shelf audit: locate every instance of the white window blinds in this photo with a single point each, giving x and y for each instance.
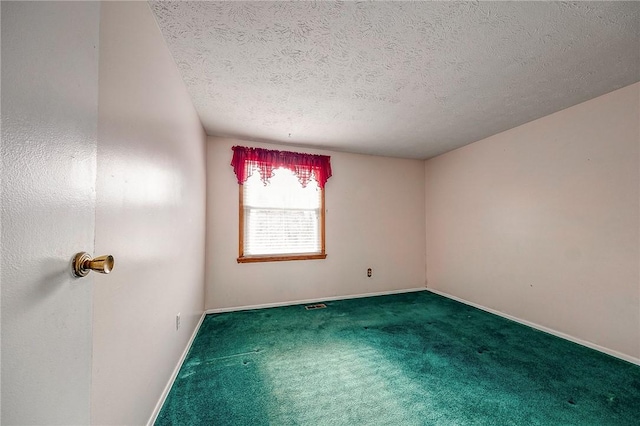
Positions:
(282, 217)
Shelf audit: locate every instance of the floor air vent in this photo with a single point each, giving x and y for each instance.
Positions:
(316, 306)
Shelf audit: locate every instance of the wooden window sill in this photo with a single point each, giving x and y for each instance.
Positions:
(254, 259)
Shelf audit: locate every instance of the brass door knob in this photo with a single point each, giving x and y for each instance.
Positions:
(83, 264)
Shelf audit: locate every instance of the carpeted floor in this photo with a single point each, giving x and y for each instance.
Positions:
(407, 359)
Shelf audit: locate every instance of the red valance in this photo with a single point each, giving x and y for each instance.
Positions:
(305, 166)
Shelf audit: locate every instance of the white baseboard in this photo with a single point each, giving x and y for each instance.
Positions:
(176, 370)
(305, 301)
(556, 333)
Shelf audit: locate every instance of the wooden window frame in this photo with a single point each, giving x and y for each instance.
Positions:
(282, 257)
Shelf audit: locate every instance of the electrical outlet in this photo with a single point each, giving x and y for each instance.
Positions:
(369, 272)
(178, 321)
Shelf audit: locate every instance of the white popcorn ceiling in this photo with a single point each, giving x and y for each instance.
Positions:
(409, 80)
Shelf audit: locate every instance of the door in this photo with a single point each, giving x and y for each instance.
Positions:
(49, 127)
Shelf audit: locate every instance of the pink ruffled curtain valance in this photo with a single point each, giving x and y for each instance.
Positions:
(305, 166)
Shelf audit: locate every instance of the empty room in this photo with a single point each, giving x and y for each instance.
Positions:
(320, 213)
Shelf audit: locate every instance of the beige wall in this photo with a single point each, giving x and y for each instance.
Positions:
(374, 218)
(149, 215)
(541, 222)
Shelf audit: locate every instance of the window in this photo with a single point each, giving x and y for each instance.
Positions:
(281, 204)
(282, 218)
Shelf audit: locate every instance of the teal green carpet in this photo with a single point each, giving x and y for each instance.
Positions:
(408, 359)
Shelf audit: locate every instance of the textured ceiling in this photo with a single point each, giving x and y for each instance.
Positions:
(393, 78)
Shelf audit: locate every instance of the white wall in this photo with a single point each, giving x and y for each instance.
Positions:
(542, 222)
(374, 218)
(49, 130)
(149, 215)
